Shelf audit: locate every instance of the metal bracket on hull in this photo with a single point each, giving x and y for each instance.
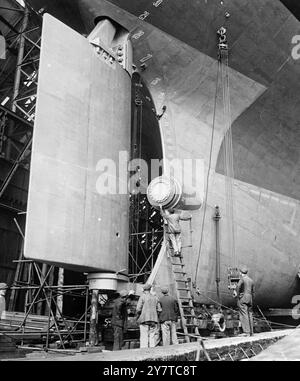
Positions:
(112, 44)
(103, 53)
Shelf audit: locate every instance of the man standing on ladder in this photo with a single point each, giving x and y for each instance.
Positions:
(173, 229)
(245, 293)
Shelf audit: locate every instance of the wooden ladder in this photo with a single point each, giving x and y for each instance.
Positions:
(184, 297)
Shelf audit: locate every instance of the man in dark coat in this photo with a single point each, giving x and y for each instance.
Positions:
(168, 317)
(147, 310)
(245, 293)
(119, 318)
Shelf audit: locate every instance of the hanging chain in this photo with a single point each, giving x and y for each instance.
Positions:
(228, 149)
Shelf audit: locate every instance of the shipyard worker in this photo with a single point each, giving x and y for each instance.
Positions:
(172, 228)
(119, 318)
(147, 310)
(3, 288)
(168, 317)
(245, 293)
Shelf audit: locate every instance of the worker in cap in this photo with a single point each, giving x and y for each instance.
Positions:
(3, 288)
(119, 317)
(245, 293)
(168, 317)
(244, 269)
(173, 229)
(123, 293)
(147, 310)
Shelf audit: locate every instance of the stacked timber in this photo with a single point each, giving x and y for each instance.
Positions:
(12, 321)
(7, 344)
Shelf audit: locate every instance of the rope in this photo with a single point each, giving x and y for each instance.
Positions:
(228, 153)
(208, 172)
(223, 67)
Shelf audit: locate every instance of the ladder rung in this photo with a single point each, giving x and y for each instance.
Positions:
(186, 315)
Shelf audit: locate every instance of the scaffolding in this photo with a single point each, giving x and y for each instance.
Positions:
(19, 76)
(18, 89)
(37, 291)
(18, 84)
(145, 222)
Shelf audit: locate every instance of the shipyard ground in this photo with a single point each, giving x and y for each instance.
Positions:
(287, 349)
(287, 344)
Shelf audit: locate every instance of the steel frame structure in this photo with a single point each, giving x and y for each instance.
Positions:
(19, 98)
(21, 95)
(38, 290)
(145, 222)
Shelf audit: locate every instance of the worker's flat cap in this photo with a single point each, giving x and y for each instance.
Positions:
(146, 287)
(164, 290)
(123, 293)
(243, 269)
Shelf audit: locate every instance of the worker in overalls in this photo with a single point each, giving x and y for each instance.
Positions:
(147, 310)
(119, 318)
(168, 317)
(173, 229)
(245, 293)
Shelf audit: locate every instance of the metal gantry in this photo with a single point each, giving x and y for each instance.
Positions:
(39, 290)
(18, 89)
(145, 239)
(18, 94)
(145, 222)
(19, 73)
